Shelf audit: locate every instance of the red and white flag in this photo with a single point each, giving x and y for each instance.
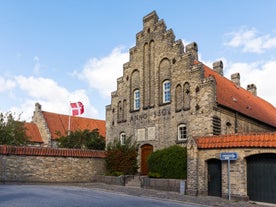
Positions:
(77, 108)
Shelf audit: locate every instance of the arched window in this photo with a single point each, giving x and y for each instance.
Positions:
(166, 91)
(178, 98)
(136, 99)
(119, 112)
(182, 132)
(123, 138)
(187, 96)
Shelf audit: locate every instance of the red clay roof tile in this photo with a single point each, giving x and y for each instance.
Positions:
(32, 132)
(237, 140)
(241, 100)
(53, 152)
(59, 123)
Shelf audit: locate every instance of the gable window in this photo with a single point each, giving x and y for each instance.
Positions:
(136, 99)
(182, 132)
(123, 138)
(216, 125)
(166, 91)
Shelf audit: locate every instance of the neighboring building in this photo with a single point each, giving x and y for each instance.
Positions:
(33, 133)
(166, 96)
(46, 127)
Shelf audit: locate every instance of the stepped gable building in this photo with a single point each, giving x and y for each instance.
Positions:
(166, 96)
(48, 124)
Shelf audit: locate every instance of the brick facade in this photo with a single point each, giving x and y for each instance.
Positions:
(197, 181)
(156, 58)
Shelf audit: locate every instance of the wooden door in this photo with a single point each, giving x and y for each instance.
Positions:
(146, 150)
(214, 177)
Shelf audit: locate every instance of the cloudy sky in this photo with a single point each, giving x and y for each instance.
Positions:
(57, 51)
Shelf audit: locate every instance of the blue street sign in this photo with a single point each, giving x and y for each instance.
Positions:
(228, 156)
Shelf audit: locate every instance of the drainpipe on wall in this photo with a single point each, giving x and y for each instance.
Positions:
(236, 122)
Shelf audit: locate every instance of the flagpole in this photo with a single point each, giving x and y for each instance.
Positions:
(69, 121)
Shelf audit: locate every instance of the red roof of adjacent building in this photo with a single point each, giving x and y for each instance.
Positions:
(265, 140)
(230, 95)
(59, 123)
(32, 132)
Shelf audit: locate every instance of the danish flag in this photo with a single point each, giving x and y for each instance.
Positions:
(77, 108)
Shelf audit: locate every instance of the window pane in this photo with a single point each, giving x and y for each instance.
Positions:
(182, 132)
(166, 91)
(136, 99)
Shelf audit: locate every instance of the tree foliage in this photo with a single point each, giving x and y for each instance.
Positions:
(12, 130)
(82, 139)
(122, 158)
(170, 162)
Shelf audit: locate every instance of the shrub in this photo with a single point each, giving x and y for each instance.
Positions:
(82, 139)
(122, 158)
(170, 162)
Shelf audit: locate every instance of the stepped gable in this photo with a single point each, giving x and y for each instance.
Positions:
(59, 123)
(32, 132)
(264, 140)
(241, 100)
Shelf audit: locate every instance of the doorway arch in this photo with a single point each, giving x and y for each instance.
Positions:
(146, 150)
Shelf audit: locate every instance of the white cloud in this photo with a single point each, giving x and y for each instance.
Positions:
(6, 84)
(36, 65)
(261, 74)
(52, 97)
(250, 40)
(101, 74)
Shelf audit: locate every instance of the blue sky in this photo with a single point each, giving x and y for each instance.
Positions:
(54, 52)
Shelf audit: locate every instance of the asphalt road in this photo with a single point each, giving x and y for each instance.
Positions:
(68, 196)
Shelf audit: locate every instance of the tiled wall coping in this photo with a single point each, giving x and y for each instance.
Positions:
(50, 152)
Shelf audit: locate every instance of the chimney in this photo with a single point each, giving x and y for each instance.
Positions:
(218, 67)
(37, 107)
(252, 89)
(193, 49)
(236, 78)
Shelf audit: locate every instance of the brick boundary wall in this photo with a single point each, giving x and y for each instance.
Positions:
(33, 164)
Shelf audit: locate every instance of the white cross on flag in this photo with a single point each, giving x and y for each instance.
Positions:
(77, 108)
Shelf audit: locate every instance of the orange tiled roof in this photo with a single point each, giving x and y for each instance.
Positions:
(237, 140)
(52, 152)
(241, 100)
(33, 132)
(59, 123)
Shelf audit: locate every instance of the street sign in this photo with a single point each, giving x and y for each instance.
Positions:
(228, 156)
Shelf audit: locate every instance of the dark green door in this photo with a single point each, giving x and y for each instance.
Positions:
(214, 177)
(261, 177)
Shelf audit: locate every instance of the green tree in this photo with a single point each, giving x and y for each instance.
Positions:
(122, 158)
(82, 139)
(12, 130)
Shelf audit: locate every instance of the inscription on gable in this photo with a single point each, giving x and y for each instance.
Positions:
(154, 114)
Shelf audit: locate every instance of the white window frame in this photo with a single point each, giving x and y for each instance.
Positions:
(166, 91)
(181, 132)
(123, 138)
(136, 99)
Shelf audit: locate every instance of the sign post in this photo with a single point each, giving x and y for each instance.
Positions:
(228, 156)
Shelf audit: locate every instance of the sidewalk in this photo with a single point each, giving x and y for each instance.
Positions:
(203, 200)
